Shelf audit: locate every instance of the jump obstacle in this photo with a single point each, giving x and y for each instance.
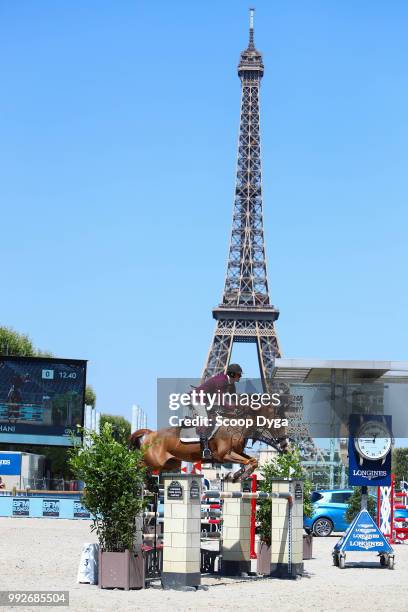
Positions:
(389, 500)
(183, 496)
(211, 514)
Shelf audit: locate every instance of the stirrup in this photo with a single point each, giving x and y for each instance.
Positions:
(206, 453)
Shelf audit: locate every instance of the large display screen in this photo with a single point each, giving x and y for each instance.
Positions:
(41, 399)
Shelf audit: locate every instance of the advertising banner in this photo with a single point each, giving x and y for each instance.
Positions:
(21, 507)
(10, 464)
(364, 535)
(80, 511)
(51, 507)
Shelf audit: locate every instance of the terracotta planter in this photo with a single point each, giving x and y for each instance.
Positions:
(121, 570)
(307, 546)
(263, 561)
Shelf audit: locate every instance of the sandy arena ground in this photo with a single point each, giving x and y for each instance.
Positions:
(41, 554)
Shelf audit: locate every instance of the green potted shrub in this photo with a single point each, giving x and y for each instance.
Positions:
(285, 465)
(114, 481)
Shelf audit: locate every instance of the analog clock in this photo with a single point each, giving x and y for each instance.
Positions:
(373, 440)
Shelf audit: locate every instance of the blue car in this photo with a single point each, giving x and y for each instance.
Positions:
(329, 508)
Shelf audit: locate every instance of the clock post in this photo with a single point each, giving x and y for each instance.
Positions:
(370, 444)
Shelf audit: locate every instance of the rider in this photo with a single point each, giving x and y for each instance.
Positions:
(222, 383)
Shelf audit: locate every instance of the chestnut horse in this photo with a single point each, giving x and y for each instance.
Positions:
(164, 451)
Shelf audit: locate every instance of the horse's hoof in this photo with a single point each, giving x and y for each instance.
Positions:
(247, 471)
(238, 475)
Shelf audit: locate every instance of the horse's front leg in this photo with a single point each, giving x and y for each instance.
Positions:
(249, 464)
(283, 444)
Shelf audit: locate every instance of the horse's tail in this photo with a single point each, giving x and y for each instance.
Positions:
(135, 440)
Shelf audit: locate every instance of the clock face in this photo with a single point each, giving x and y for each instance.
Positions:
(373, 440)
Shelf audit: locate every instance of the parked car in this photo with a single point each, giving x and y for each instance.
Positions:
(329, 508)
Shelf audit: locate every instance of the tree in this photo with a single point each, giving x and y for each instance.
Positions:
(13, 343)
(400, 465)
(90, 396)
(40, 353)
(285, 465)
(354, 505)
(120, 426)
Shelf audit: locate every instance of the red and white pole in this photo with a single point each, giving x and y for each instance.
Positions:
(392, 530)
(252, 551)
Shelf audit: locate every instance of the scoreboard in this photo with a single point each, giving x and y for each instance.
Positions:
(41, 399)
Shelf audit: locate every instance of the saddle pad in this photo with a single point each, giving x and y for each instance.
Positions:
(186, 439)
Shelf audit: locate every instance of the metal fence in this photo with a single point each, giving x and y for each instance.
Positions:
(52, 484)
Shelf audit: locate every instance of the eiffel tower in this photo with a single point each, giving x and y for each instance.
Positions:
(246, 314)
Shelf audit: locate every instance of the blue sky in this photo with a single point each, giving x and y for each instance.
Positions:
(119, 125)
